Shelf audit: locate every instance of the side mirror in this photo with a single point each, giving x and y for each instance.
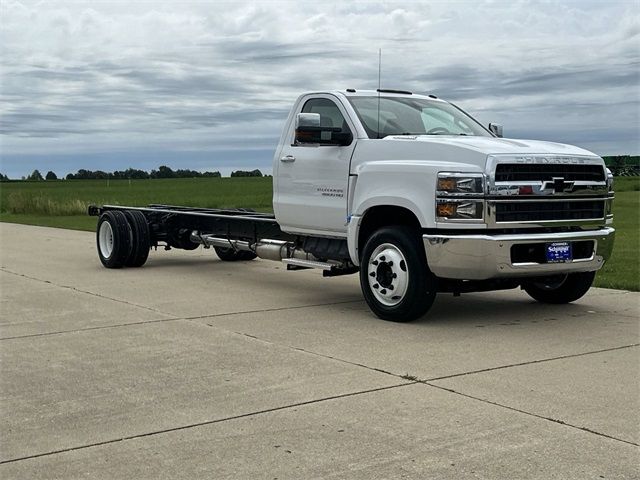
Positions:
(496, 129)
(307, 120)
(309, 130)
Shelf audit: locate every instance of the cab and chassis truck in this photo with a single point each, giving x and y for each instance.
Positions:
(410, 192)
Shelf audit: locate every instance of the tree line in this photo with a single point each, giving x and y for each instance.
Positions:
(623, 165)
(620, 165)
(133, 173)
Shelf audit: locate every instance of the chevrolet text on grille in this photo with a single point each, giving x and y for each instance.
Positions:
(549, 160)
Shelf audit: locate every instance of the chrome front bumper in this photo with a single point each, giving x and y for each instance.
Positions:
(479, 257)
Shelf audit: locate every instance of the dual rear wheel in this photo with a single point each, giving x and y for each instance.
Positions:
(123, 239)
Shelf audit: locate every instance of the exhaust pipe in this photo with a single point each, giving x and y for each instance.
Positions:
(211, 241)
(267, 249)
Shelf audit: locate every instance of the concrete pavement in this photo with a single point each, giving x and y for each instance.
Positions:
(194, 368)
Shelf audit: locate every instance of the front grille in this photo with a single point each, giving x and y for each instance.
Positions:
(549, 211)
(509, 172)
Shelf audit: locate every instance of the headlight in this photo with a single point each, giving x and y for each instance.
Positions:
(460, 197)
(610, 180)
(447, 209)
(460, 184)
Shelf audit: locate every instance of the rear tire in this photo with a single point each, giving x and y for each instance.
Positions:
(141, 238)
(394, 276)
(559, 289)
(231, 255)
(181, 238)
(113, 239)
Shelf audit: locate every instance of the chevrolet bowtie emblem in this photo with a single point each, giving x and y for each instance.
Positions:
(558, 185)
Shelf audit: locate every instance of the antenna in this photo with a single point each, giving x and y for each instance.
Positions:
(379, 86)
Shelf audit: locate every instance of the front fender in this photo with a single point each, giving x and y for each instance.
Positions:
(392, 184)
(409, 184)
(387, 186)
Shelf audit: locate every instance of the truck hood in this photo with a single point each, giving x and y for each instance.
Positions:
(449, 152)
(493, 145)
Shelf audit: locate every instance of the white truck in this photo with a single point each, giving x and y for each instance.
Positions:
(411, 192)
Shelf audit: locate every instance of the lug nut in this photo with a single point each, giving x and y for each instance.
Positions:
(375, 262)
(372, 274)
(376, 286)
(383, 258)
(383, 291)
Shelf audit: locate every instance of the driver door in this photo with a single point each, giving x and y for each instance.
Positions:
(312, 179)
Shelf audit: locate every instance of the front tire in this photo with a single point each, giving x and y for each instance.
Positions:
(559, 289)
(114, 239)
(395, 279)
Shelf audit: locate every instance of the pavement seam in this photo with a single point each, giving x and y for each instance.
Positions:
(309, 352)
(275, 309)
(407, 376)
(75, 289)
(208, 422)
(170, 319)
(542, 417)
(416, 380)
(88, 329)
(532, 362)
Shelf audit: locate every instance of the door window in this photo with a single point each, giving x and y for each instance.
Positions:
(330, 115)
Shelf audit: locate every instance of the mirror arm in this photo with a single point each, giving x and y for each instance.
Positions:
(496, 129)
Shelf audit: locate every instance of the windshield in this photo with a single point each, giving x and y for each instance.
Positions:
(413, 116)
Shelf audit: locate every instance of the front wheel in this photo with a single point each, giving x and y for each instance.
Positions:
(560, 289)
(394, 276)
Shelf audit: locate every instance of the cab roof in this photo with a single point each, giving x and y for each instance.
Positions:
(384, 92)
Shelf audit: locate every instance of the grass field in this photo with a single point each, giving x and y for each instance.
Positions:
(64, 204)
(623, 268)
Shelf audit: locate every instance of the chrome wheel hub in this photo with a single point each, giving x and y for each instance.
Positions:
(105, 238)
(388, 274)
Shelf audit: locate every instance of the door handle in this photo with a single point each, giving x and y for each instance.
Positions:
(288, 158)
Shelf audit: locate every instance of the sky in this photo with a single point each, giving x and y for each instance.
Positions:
(207, 85)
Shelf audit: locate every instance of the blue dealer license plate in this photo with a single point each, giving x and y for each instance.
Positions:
(559, 252)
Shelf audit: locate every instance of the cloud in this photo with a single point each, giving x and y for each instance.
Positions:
(94, 79)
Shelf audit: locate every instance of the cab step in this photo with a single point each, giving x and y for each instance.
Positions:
(297, 263)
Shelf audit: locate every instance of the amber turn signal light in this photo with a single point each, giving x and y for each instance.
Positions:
(447, 184)
(447, 209)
